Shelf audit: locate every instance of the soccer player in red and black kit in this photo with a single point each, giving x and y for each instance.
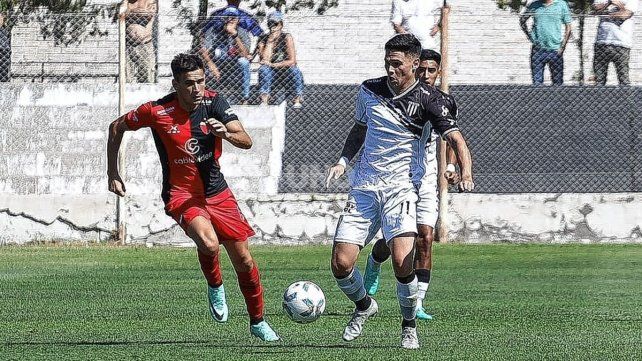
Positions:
(189, 127)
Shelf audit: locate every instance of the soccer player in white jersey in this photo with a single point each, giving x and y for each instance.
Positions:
(395, 116)
(428, 203)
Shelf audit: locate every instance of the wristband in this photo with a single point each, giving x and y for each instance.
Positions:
(343, 161)
(451, 168)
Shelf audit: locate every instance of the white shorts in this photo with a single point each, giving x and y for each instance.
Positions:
(428, 203)
(391, 209)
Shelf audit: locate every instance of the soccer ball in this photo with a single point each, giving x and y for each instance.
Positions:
(303, 302)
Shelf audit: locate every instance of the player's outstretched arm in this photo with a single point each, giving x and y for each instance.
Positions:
(353, 143)
(458, 143)
(116, 130)
(233, 132)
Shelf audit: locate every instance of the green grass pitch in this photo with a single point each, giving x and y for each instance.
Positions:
(491, 302)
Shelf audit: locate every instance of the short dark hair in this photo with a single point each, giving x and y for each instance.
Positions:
(182, 63)
(405, 43)
(428, 54)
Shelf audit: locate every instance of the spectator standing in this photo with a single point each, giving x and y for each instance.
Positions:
(141, 55)
(226, 56)
(5, 49)
(548, 43)
(614, 38)
(278, 60)
(417, 17)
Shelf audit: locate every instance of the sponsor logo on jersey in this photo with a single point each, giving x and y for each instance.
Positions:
(165, 111)
(229, 111)
(192, 160)
(191, 146)
(173, 129)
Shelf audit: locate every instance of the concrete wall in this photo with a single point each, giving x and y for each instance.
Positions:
(53, 181)
(53, 184)
(304, 218)
(473, 218)
(343, 46)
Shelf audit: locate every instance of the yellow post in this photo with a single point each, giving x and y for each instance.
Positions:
(121, 231)
(442, 225)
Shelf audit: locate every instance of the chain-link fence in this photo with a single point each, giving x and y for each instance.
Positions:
(578, 137)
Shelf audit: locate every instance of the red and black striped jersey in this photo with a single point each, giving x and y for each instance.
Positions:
(188, 152)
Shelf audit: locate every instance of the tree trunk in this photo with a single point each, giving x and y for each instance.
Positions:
(580, 45)
(198, 24)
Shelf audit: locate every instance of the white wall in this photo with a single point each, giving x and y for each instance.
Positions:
(53, 181)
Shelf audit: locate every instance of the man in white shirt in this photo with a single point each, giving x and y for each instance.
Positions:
(417, 17)
(614, 38)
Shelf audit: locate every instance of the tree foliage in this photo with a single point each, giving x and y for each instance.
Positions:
(64, 21)
(319, 6)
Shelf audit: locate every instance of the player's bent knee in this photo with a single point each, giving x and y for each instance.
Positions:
(402, 264)
(240, 256)
(341, 266)
(202, 233)
(424, 240)
(205, 240)
(424, 243)
(344, 257)
(209, 247)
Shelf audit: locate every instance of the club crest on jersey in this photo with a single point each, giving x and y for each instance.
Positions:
(204, 128)
(173, 129)
(412, 108)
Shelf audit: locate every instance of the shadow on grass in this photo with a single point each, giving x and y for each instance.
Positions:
(287, 347)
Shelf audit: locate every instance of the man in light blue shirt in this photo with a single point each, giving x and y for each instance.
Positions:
(546, 35)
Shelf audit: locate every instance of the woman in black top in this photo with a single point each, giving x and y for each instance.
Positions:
(278, 60)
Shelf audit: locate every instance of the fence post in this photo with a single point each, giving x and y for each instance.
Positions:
(442, 225)
(120, 226)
